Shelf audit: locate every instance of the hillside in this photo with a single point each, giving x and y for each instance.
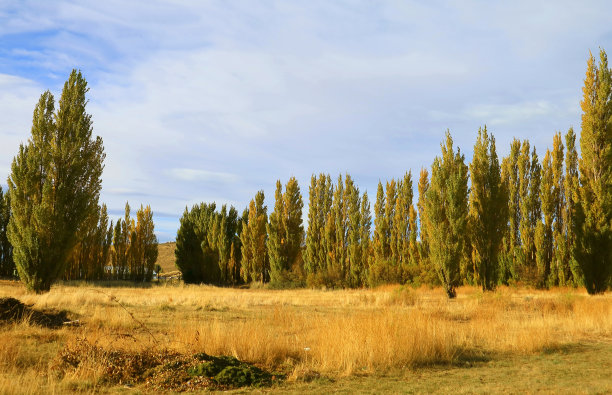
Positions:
(165, 259)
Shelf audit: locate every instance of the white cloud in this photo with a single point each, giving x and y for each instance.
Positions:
(517, 113)
(215, 100)
(202, 175)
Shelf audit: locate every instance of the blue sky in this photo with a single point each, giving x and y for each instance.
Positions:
(214, 100)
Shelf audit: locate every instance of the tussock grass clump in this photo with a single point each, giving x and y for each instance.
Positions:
(156, 369)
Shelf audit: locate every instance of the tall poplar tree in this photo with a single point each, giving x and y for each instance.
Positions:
(511, 241)
(366, 238)
(572, 195)
(446, 212)
(7, 266)
(428, 272)
(320, 201)
(285, 231)
(276, 237)
(560, 270)
(354, 253)
(145, 244)
(593, 210)
(544, 230)
(488, 210)
(255, 263)
(54, 185)
(529, 190)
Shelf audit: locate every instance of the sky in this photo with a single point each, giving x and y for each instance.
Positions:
(214, 100)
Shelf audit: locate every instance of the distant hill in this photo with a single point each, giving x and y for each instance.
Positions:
(165, 259)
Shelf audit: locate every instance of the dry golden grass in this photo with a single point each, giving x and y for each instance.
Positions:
(165, 257)
(300, 332)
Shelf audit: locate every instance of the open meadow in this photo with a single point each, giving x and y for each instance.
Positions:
(394, 339)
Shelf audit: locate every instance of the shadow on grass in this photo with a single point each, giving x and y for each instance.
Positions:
(13, 311)
(107, 284)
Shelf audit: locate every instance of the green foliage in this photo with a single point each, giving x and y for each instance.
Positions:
(549, 196)
(7, 265)
(446, 212)
(229, 371)
(255, 262)
(530, 212)
(54, 185)
(207, 245)
(285, 233)
(592, 212)
(511, 241)
(488, 210)
(572, 194)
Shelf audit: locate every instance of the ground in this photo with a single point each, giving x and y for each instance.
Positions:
(172, 337)
(165, 257)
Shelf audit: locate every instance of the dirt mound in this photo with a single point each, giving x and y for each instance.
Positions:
(162, 370)
(12, 310)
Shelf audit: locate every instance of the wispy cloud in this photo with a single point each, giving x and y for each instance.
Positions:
(202, 175)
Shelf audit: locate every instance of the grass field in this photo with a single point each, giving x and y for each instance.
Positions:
(389, 339)
(165, 257)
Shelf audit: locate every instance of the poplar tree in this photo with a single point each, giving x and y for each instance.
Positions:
(320, 201)
(336, 236)
(593, 208)
(529, 191)
(91, 254)
(560, 269)
(293, 223)
(354, 253)
(255, 263)
(381, 242)
(285, 231)
(145, 244)
(544, 230)
(403, 228)
(572, 195)
(427, 271)
(54, 185)
(488, 210)
(7, 266)
(366, 238)
(188, 252)
(511, 241)
(446, 212)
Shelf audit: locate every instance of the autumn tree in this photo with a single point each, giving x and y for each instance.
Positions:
(91, 254)
(427, 270)
(511, 241)
(144, 245)
(255, 263)
(446, 212)
(593, 206)
(488, 210)
(54, 185)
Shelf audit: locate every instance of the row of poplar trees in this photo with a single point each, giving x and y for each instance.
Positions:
(522, 220)
(126, 250)
(51, 223)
